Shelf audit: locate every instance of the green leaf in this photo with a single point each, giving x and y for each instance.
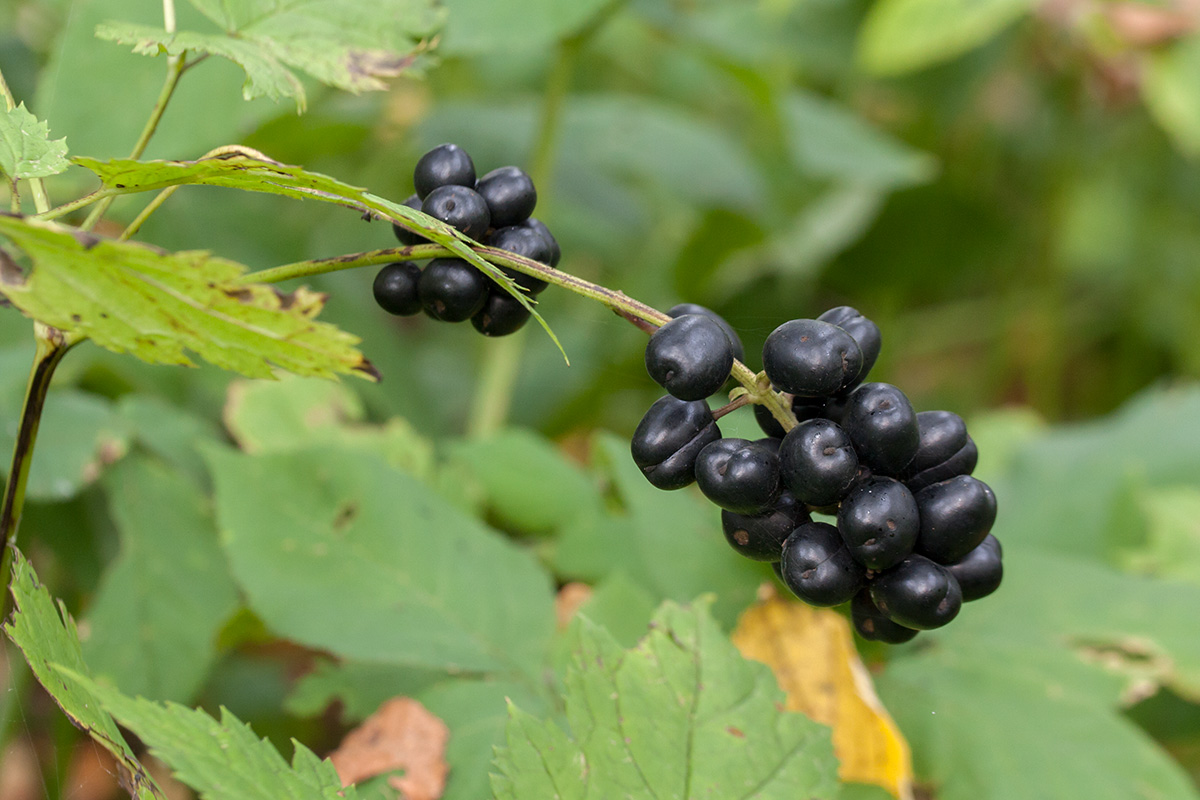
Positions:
(221, 760)
(26, 149)
(1172, 546)
(390, 571)
(485, 26)
(341, 43)
(681, 715)
(1171, 88)
(131, 298)
(169, 432)
(152, 628)
(904, 35)
(49, 640)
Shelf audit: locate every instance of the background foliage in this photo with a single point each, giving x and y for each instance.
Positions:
(1007, 187)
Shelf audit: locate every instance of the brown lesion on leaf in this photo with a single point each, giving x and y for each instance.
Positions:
(241, 295)
(368, 370)
(10, 272)
(1140, 660)
(345, 515)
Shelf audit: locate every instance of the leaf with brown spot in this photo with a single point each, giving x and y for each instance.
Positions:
(811, 651)
(401, 735)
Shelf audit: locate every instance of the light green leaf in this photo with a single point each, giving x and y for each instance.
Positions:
(1172, 522)
(26, 149)
(169, 432)
(153, 625)
(485, 26)
(681, 715)
(1171, 88)
(342, 43)
(221, 760)
(49, 640)
(904, 35)
(132, 298)
(390, 571)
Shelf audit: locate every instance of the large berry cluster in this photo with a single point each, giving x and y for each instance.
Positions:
(911, 541)
(493, 210)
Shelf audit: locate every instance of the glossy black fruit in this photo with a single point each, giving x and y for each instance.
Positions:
(501, 314)
(917, 593)
(802, 407)
(537, 226)
(942, 434)
(510, 195)
(524, 242)
(956, 516)
(879, 521)
(668, 439)
(883, 426)
(817, 462)
(738, 475)
(460, 208)
(404, 235)
(760, 537)
(739, 352)
(395, 288)
(864, 331)
(871, 623)
(452, 290)
(961, 463)
(980, 571)
(444, 165)
(810, 358)
(690, 357)
(818, 568)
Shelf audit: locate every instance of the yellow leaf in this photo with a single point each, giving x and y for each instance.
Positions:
(811, 651)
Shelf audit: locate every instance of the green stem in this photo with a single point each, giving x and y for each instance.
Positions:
(40, 201)
(52, 345)
(141, 218)
(78, 203)
(494, 390)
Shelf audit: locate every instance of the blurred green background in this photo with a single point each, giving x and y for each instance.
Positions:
(1008, 188)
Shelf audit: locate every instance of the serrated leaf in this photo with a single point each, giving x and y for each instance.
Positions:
(391, 572)
(153, 625)
(1171, 88)
(131, 298)
(681, 715)
(903, 35)
(221, 760)
(26, 149)
(342, 43)
(47, 636)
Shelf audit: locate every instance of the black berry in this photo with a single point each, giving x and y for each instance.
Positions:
(872, 624)
(810, 358)
(395, 288)
(980, 571)
(760, 537)
(452, 290)
(510, 195)
(690, 357)
(818, 568)
(738, 475)
(817, 462)
(802, 407)
(501, 314)
(525, 242)
(879, 521)
(864, 331)
(883, 426)
(917, 593)
(537, 226)
(739, 352)
(668, 439)
(444, 165)
(946, 450)
(460, 208)
(956, 516)
(404, 235)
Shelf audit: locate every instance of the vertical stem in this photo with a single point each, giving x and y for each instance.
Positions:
(52, 345)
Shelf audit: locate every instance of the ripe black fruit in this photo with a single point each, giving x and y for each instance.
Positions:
(871, 623)
(395, 288)
(810, 358)
(510, 195)
(690, 357)
(883, 426)
(818, 568)
(444, 165)
(501, 314)
(525, 242)
(739, 352)
(404, 235)
(946, 450)
(452, 290)
(760, 537)
(668, 439)
(738, 475)
(879, 521)
(956, 516)
(980, 571)
(917, 593)
(460, 208)
(817, 462)
(539, 227)
(864, 331)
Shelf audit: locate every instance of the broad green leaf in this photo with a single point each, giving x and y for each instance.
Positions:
(390, 572)
(680, 715)
(131, 298)
(342, 43)
(221, 759)
(26, 149)
(1171, 88)
(1172, 534)
(529, 484)
(47, 636)
(904, 35)
(670, 543)
(153, 625)
(169, 432)
(485, 26)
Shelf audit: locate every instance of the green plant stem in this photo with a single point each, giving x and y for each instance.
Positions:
(78, 203)
(14, 199)
(52, 345)
(141, 218)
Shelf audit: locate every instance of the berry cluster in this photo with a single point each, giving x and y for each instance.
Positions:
(493, 210)
(912, 540)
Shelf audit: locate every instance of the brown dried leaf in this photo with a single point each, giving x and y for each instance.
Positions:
(402, 734)
(568, 601)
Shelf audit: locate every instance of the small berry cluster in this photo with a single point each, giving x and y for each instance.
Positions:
(493, 210)
(912, 540)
